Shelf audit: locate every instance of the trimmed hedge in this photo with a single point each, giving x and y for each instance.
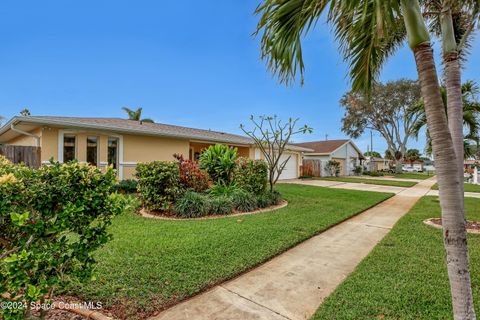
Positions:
(251, 175)
(158, 184)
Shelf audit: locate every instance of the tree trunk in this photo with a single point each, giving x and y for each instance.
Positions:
(455, 108)
(451, 195)
(454, 88)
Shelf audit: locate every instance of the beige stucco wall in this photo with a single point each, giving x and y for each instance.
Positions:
(49, 144)
(145, 148)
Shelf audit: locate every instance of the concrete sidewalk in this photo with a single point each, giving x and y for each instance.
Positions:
(294, 284)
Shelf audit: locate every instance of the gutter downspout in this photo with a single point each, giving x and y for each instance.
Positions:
(37, 138)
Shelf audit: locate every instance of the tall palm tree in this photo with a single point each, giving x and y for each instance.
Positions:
(368, 32)
(136, 115)
(454, 22)
(470, 117)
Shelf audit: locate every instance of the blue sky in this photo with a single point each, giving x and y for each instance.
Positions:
(192, 63)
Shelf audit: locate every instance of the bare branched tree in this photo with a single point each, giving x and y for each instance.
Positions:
(272, 137)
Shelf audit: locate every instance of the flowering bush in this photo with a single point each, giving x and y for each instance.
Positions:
(191, 176)
(51, 221)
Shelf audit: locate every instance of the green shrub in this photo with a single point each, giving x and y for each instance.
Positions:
(51, 222)
(358, 170)
(192, 205)
(267, 199)
(333, 168)
(221, 205)
(158, 184)
(222, 190)
(264, 200)
(276, 197)
(373, 173)
(251, 175)
(219, 162)
(244, 201)
(126, 186)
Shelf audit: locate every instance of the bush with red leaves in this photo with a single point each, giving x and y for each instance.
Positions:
(191, 176)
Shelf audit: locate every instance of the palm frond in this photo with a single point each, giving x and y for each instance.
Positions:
(367, 36)
(282, 24)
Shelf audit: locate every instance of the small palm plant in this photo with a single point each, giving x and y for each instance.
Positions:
(470, 117)
(219, 162)
(136, 115)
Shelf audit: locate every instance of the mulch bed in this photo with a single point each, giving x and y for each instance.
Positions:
(172, 216)
(472, 226)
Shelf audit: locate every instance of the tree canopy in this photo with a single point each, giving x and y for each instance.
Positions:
(387, 111)
(372, 154)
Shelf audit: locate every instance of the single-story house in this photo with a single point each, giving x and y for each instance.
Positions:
(377, 164)
(124, 143)
(343, 151)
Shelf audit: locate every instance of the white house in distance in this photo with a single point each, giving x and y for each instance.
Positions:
(344, 151)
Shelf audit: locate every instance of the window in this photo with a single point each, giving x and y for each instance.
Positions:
(92, 150)
(68, 148)
(113, 152)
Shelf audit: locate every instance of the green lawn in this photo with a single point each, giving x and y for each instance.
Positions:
(151, 264)
(405, 276)
(371, 181)
(468, 187)
(411, 175)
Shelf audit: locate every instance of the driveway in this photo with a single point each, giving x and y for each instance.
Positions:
(347, 185)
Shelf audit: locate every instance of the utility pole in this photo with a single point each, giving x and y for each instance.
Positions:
(371, 141)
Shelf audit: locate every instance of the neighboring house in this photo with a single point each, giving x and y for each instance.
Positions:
(344, 151)
(124, 143)
(377, 164)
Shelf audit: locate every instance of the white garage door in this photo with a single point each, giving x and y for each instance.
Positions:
(290, 171)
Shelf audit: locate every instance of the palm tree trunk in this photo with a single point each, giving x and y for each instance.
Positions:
(451, 197)
(454, 89)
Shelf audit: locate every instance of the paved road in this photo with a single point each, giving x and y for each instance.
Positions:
(294, 284)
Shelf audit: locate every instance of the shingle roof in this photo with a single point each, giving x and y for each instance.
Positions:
(136, 127)
(326, 146)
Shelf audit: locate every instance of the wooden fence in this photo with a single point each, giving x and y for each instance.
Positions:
(311, 168)
(30, 156)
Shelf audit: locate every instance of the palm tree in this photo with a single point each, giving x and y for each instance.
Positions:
(368, 32)
(25, 112)
(412, 155)
(136, 115)
(470, 118)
